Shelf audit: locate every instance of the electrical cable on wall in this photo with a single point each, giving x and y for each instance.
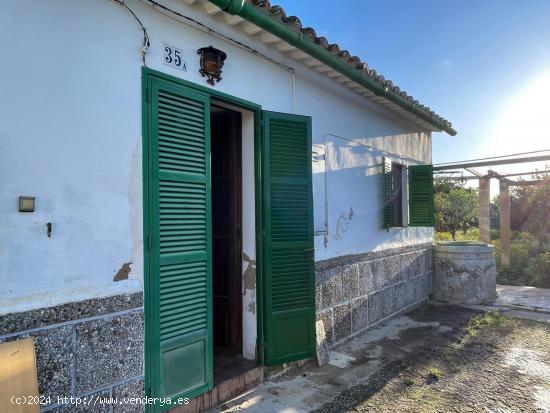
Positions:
(155, 4)
(146, 42)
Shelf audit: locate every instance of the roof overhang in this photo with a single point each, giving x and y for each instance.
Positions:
(270, 24)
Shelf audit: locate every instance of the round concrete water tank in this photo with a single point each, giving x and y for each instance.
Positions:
(464, 273)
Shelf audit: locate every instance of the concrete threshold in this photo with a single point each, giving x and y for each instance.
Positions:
(223, 391)
(351, 364)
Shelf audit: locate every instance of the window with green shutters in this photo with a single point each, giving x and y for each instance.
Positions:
(288, 244)
(177, 209)
(421, 196)
(419, 193)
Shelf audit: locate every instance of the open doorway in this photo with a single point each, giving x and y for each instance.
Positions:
(227, 250)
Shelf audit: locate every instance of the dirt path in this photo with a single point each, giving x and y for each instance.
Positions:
(495, 365)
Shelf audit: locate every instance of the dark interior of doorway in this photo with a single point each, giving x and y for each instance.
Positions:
(226, 141)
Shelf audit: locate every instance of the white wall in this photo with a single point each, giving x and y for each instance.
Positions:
(355, 193)
(71, 136)
(250, 323)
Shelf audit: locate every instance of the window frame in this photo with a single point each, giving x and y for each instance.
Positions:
(404, 193)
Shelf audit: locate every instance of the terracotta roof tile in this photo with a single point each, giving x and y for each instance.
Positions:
(295, 24)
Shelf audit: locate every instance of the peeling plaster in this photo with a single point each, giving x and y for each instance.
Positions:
(251, 307)
(249, 293)
(342, 224)
(123, 273)
(249, 273)
(249, 283)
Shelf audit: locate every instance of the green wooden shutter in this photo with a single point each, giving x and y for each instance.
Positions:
(179, 314)
(288, 243)
(387, 182)
(421, 196)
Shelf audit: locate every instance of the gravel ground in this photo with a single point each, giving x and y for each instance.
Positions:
(492, 364)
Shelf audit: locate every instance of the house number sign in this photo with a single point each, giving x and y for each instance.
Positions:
(174, 57)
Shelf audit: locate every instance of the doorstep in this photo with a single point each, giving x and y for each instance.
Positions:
(223, 391)
(239, 384)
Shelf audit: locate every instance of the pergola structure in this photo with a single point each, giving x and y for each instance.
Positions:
(505, 183)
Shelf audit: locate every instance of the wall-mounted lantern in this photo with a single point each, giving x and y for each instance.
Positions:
(211, 63)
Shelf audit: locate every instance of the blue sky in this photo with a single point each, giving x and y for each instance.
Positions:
(482, 64)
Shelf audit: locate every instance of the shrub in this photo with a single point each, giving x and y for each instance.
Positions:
(442, 236)
(527, 266)
(435, 374)
(523, 236)
(539, 269)
(471, 235)
(516, 273)
(489, 319)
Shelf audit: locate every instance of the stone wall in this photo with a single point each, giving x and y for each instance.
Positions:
(95, 347)
(87, 348)
(356, 292)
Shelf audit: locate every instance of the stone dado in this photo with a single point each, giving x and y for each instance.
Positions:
(357, 292)
(87, 348)
(95, 347)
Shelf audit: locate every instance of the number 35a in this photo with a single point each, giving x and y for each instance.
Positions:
(173, 57)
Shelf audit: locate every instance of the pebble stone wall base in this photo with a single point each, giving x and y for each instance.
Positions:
(357, 292)
(88, 348)
(95, 347)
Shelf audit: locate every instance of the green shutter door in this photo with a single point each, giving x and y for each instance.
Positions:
(421, 196)
(387, 181)
(288, 239)
(178, 326)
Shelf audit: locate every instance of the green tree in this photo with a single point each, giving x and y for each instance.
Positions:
(456, 209)
(531, 204)
(442, 184)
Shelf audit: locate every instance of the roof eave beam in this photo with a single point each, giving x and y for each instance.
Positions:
(492, 163)
(262, 19)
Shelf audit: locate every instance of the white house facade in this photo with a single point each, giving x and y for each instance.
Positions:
(177, 223)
